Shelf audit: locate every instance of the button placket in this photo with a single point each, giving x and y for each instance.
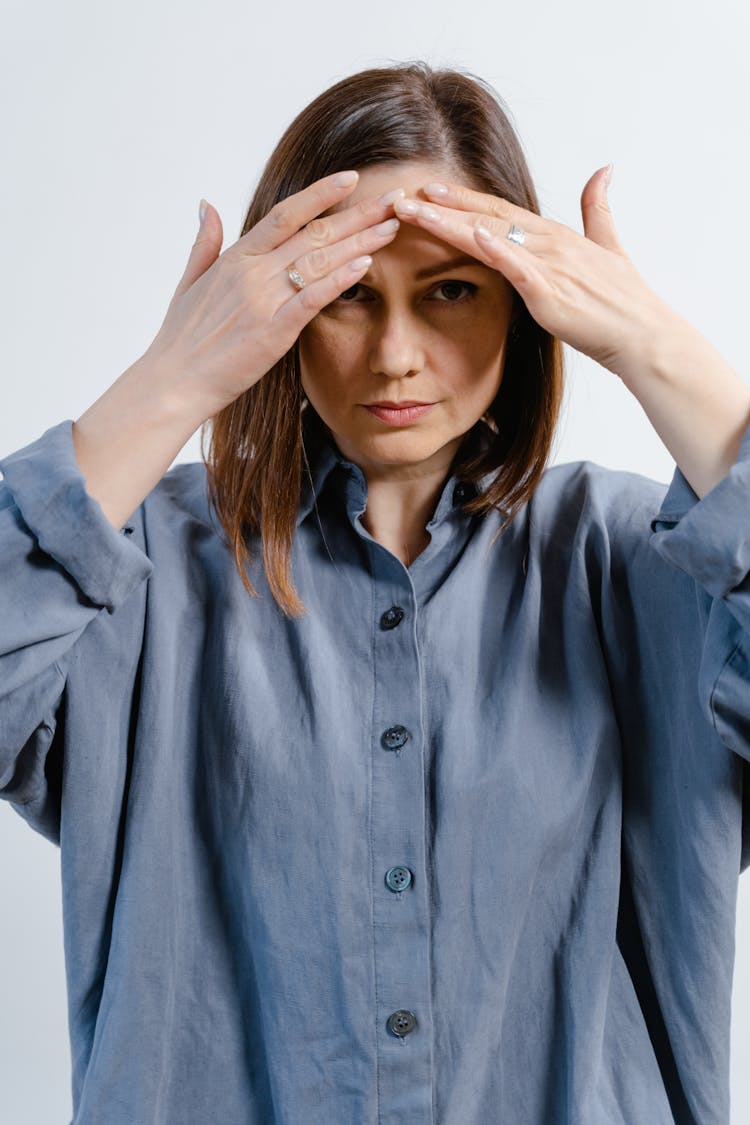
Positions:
(401, 924)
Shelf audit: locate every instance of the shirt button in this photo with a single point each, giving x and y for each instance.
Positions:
(402, 1022)
(397, 878)
(395, 737)
(392, 617)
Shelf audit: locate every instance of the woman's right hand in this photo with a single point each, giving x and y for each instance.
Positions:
(234, 315)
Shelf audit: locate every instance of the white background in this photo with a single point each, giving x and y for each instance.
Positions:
(117, 118)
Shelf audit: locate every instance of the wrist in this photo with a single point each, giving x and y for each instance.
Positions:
(175, 395)
(659, 350)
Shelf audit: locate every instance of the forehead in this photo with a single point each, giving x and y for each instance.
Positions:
(412, 243)
(379, 178)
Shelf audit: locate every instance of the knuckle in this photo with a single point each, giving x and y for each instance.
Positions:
(488, 222)
(280, 217)
(318, 229)
(318, 260)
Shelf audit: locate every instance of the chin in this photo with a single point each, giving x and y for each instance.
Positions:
(401, 447)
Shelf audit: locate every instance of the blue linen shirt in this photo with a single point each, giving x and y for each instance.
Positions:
(460, 847)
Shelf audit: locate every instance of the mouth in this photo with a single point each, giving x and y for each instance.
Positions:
(387, 405)
(402, 414)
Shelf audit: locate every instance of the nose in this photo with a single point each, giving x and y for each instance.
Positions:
(396, 347)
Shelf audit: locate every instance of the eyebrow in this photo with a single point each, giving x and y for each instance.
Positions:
(451, 264)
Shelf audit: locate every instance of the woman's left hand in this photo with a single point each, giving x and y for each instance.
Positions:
(582, 288)
(585, 290)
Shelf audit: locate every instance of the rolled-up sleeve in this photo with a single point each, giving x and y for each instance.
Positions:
(709, 539)
(44, 482)
(62, 563)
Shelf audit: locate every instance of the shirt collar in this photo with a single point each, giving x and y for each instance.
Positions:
(326, 460)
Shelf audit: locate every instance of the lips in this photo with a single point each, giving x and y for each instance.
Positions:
(401, 415)
(399, 405)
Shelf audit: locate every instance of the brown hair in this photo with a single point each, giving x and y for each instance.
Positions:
(400, 113)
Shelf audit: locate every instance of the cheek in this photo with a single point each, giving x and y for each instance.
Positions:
(474, 347)
(324, 346)
(475, 362)
(489, 351)
(486, 343)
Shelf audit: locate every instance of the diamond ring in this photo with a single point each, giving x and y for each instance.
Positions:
(296, 278)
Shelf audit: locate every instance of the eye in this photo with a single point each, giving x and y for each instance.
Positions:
(348, 298)
(352, 289)
(461, 284)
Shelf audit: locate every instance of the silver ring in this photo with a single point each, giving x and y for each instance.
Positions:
(517, 234)
(296, 278)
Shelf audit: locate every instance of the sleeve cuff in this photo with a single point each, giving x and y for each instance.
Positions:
(49, 490)
(709, 538)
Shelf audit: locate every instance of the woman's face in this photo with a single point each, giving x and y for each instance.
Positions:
(395, 335)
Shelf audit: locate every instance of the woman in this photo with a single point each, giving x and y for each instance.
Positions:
(444, 822)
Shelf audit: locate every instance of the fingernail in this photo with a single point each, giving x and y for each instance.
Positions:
(435, 189)
(344, 179)
(388, 227)
(407, 207)
(201, 213)
(390, 196)
(608, 175)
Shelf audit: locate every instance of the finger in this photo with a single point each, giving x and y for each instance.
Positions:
(321, 261)
(517, 264)
(204, 251)
(302, 306)
(462, 198)
(287, 216)
(458, 227)
(323, 232)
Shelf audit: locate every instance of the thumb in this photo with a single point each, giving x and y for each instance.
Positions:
(206, 247)
(598, 224)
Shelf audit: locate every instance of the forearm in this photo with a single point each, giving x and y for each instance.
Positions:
(128, 438)
(696, 402)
